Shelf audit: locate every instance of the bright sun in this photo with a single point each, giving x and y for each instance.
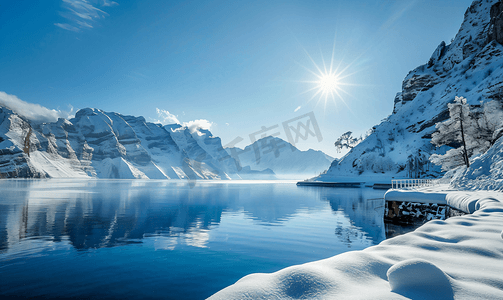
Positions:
(330, 80)
(328, 83)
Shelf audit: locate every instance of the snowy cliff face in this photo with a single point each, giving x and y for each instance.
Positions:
(15, 141)
(108, 145)
(285, 160)
(470, 66)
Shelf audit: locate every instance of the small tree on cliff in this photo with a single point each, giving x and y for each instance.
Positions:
(348, 141)
(454, 131)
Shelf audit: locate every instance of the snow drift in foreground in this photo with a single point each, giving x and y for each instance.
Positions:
(459, 258)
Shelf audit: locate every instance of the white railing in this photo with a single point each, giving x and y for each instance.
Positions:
(412, 183)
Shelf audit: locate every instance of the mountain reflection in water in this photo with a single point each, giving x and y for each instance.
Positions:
(96, 214)
(137, 239)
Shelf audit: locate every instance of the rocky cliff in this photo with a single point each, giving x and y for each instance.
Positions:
(470, 66)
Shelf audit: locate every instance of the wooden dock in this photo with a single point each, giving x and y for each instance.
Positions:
(330, 184)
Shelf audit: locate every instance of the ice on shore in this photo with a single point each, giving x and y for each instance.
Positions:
(460, 258)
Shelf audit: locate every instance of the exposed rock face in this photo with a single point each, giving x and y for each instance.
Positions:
(496, 24)
(15, 144)
(438, 54)
(105, 145)
(470, 66)
(415, 84)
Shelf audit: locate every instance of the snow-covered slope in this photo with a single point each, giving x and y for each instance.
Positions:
(470, 66)
(284, 159)
(108, 145)
(201, 147)
(484, 173)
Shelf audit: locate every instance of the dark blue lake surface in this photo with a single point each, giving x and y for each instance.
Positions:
(146, 239)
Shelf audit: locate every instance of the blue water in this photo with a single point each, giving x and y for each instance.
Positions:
(135, 239)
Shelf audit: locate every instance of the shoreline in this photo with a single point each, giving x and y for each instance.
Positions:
(459, 258)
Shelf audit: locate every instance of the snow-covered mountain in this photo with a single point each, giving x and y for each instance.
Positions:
(284, 159)
(109, 145)
(470, 66)
(102, 144)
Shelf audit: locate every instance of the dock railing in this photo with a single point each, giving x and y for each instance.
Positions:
(406, 184)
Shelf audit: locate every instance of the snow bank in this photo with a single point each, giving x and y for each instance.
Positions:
(470, 202)
(459, 258)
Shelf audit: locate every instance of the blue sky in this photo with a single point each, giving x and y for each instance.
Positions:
(239, 65)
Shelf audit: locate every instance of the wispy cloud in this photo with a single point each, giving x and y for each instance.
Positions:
(109, 3)
(30, 111)
(83, 14)
(67, 27)
(399, 12)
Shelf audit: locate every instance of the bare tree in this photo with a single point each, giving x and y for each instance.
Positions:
(469, 133)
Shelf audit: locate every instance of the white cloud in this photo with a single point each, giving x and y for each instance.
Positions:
(198, 124)
(165, 117)
(298, 107)
(67, 27)
(81, 14)
(109, 3)
(30, 111)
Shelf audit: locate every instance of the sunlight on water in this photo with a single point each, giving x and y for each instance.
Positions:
(162, 239)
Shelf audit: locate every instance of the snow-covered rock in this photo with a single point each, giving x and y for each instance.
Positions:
(16, 140)
(470, 66)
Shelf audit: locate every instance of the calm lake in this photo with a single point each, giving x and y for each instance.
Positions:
(147, 239)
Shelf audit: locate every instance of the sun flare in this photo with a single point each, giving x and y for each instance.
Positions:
(329, 83)
(331, 80)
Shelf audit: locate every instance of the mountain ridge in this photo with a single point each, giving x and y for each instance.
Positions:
(99, 144)
(281, 157)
